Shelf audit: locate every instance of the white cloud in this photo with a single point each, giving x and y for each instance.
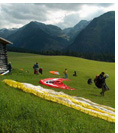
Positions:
(63, 15)
(55, 17)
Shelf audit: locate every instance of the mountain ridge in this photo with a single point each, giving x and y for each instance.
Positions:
(98, 37)
(93, 39)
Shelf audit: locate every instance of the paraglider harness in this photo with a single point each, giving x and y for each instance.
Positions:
(96, 81)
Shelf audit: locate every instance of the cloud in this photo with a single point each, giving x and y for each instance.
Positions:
(86, 12)
(69, 20)
(61, 14)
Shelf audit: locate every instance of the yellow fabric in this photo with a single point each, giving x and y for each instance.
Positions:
(78, 103)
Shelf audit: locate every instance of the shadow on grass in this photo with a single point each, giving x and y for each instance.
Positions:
(95, 95)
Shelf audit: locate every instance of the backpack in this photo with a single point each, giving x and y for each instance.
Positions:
(96, 81)
(89, 81)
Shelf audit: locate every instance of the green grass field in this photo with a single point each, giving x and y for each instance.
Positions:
(22, 112)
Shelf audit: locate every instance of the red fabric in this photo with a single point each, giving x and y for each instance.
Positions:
(56, 83)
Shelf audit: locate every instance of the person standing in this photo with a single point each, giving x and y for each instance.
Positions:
(36, 68)
(75, 74)
(10, 68)
(101, 81)
(65, 73)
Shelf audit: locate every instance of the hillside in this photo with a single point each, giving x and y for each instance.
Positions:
(23, 112)
(97, 40)
(7, 32)
(74, 31)
(37, 37)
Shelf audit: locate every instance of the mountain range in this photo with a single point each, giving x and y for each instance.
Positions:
(98, 37)
(37, 36)
(72, 32)
(93, 39)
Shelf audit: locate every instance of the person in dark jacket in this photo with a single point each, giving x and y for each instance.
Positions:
(75, 73)
(10, 67)
(36, 68)
(102, 83)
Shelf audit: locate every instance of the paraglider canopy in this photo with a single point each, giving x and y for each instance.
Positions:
(54, 72)
(56, 83)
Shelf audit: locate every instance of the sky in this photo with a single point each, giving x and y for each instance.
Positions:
(63, 15)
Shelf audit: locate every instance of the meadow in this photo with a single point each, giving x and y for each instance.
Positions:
(22, 112)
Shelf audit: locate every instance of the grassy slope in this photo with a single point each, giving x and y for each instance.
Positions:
(23, 112)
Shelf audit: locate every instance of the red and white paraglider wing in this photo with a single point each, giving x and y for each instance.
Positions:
(55, 83)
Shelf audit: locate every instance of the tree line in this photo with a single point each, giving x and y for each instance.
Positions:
(107, 57)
